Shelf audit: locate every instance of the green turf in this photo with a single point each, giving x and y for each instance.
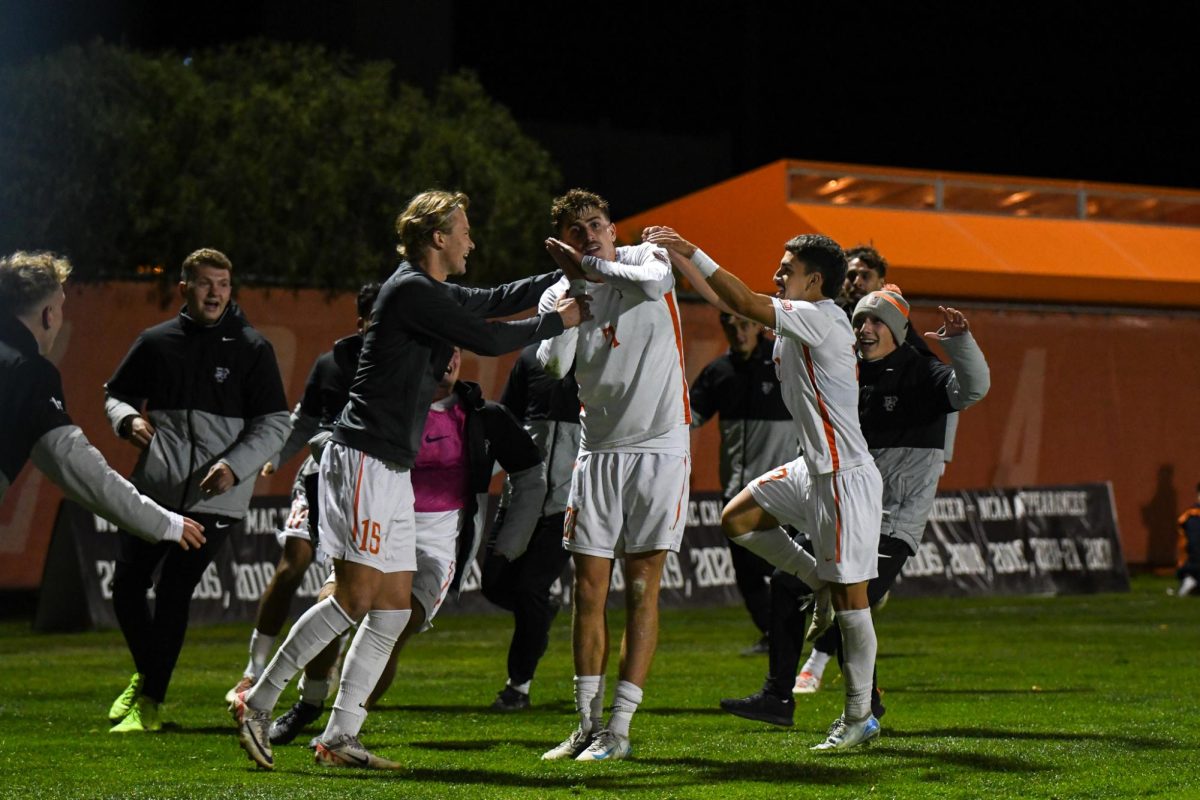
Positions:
(1014, 697)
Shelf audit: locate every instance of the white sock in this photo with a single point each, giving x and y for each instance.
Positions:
(261, 646)
(316, 628)
(858, 660)
(625, 701)
(365, 660)
(523, 688)
(314, 690)
(782, 551)
(589, 701)
(816, 663)
(1187, 585)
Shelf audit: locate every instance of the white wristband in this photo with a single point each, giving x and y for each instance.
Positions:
(705, 264)
(174, 530)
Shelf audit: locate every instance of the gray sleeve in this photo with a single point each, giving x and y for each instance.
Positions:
(261, 439)
(951, 434)
(117, 410)
(304, 427)
(972, 378)
(528, 486)
(66, 457)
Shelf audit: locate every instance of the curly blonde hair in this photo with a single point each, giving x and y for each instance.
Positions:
(27, 279)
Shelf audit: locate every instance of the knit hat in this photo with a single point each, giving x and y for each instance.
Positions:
(889, 307)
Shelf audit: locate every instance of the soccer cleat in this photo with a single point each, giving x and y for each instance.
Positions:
(759, 648)
(822, 614)
(244, 684)
(844, 735)
(348, 751)
(509, 699)
(253, 731)
(125, 701)
(762, 707)
(606, 746)
(290, 723)
(806, 683)
(570, 747)
(142, 718)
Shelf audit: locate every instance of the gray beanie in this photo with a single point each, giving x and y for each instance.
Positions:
(889, 307)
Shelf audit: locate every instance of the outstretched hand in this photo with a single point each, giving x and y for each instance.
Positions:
(568, 259)
(668, 238)
(954, 323)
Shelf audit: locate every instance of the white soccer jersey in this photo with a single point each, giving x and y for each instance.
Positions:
(629, 357)
(818, 374)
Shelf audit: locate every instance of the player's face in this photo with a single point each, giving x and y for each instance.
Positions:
(207, 294)
(875, 339)
(792, 281)
(861, 280)
(457, 244)
(742, 335)
(592, 234)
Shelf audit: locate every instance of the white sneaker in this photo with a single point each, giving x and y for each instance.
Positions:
(806, 683)
(570, 747)
(606, 746)
(822, 614)
(348, 751)
(844, 735)
(1187, 586)
(253, 731)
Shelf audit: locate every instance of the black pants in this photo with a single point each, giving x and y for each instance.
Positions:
(788, 622)
(523, 587)
(156, 637)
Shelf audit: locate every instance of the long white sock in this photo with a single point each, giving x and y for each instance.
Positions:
(589, 701)
(626, 700)
(781, 550)
(816, 663)
(261, 646)
(368, 655)
(858, 660)
(316, 628)
(314, 690)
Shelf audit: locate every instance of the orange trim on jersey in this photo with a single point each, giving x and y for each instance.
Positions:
(837, 508)
(362, 457)
(892, 300)
(679, 503)
(825, 420)
(669, 298)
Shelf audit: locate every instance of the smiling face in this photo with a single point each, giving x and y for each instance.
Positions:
(793, 283)
(455, 243)
(592, 234)
(875, 340)
(207, 293)
(861, 280)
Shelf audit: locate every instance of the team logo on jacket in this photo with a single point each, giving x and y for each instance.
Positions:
(54, 401)
(221, 374)
(889, 402)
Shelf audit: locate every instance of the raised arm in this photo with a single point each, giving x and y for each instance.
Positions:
(506, 299)
(972, 378)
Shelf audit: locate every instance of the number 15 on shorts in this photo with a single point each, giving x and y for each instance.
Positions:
(367, 540)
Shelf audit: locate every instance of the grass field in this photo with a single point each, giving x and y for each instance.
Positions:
(1014, 697)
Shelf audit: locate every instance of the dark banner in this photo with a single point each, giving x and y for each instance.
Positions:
(1044, 540)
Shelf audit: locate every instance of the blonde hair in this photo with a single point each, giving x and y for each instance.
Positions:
(204, 257)
(426, 213)
(27, 279)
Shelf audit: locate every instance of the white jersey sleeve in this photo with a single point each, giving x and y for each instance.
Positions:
(645, 268)
(801, 320)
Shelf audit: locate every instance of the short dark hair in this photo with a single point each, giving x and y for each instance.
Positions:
(570, 206)
(820, 254)
(366, 299)
(204, 257)
(869, 256)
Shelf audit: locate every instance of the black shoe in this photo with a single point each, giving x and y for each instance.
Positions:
(762, 707)
(291, 722)
(760, 648)
(509, 699)
(877, 707)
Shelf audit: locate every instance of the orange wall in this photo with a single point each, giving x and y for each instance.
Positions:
(1075, 397)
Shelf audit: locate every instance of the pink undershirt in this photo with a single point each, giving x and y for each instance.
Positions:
(440, 476)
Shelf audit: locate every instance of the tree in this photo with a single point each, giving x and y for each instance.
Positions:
(293, 160)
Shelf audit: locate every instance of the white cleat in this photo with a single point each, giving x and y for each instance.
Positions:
(253, 731)
(569, 748)
(348, 751)
(822, 614)
(606, 746)
(844, 735)
(806, 683)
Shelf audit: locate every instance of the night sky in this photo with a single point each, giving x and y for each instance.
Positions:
(646, 102)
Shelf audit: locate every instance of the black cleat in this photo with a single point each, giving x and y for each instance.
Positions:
(291, 722)
(760, 648)
(762, 707)
(509, 699)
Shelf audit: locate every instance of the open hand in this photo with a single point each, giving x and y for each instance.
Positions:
(668, 238)
(193, 534)
(954, 323)
(568, 259)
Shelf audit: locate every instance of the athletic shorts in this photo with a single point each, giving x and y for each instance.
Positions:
(841, 511)
(627, 503)
(366, 511)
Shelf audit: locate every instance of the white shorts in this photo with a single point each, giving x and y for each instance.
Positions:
(366, 511)
(627, 503)
(840, 511)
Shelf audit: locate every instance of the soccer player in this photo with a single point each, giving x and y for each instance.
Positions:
(325, 395)
(833, 489)
(215, 411)
(367, 524)
(629, 490)
(1188, 560)
(37, 425)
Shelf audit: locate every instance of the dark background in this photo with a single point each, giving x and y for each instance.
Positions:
(647, 102)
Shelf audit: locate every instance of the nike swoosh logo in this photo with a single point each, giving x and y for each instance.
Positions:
(432, 439)
(222, 524)
(227, 338)
(357, 759)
